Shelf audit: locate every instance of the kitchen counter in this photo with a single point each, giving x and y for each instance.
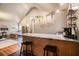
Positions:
(50, 36)
(65, 46)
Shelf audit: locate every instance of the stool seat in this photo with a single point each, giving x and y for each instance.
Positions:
(27, 44)
(50, 48)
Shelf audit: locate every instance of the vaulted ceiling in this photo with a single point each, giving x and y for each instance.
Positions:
(17, 11)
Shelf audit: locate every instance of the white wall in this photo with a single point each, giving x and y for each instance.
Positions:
(57, 23)
(12, 26)
(77, 21)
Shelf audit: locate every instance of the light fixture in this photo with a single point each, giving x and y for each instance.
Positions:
(72, 19)
(57, 11)
(72, 9)
(27, 25)
(31, 18)
(75, 7)
(61, 4)
(4, 15)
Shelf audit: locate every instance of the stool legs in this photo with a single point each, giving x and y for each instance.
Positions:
(51, 49)
(26, 51)
(44, 53)
(21, 50)
(31, 50)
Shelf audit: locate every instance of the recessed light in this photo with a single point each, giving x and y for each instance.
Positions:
(57, 11)
(31, 18)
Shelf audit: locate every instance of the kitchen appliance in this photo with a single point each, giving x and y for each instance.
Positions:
(68, 33)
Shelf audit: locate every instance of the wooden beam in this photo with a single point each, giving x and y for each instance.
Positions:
(27, 14)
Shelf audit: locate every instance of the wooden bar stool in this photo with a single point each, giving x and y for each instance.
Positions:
(27, 52)
(49, 48)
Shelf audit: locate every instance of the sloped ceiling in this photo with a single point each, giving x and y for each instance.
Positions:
(16, 11)
(47, 7)
(13, 11)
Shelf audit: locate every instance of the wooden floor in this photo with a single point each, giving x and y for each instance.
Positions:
(13, 50)
(9, 50)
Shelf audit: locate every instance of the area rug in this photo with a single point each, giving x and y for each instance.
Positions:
(7, 42)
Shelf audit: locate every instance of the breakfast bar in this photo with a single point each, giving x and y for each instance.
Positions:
(65, 46)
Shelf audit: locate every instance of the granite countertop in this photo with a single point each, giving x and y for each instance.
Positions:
(50, 36)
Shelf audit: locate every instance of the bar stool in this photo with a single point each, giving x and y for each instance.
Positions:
(27, 52)
(49, 48)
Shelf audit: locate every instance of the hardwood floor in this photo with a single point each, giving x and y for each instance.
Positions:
(8, 51)
(13, 50)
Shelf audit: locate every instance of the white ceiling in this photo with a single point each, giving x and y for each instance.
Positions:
(14, 11)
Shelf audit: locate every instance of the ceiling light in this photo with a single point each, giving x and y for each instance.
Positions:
(57, 11)
(75, 8)
(5, 15)
(61, 4)
(27, 25)
(31, 18)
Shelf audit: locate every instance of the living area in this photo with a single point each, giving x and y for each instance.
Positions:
(51, 27)
(8, 32)
(7, 41)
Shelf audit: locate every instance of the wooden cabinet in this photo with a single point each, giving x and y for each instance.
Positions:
(65, 48)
